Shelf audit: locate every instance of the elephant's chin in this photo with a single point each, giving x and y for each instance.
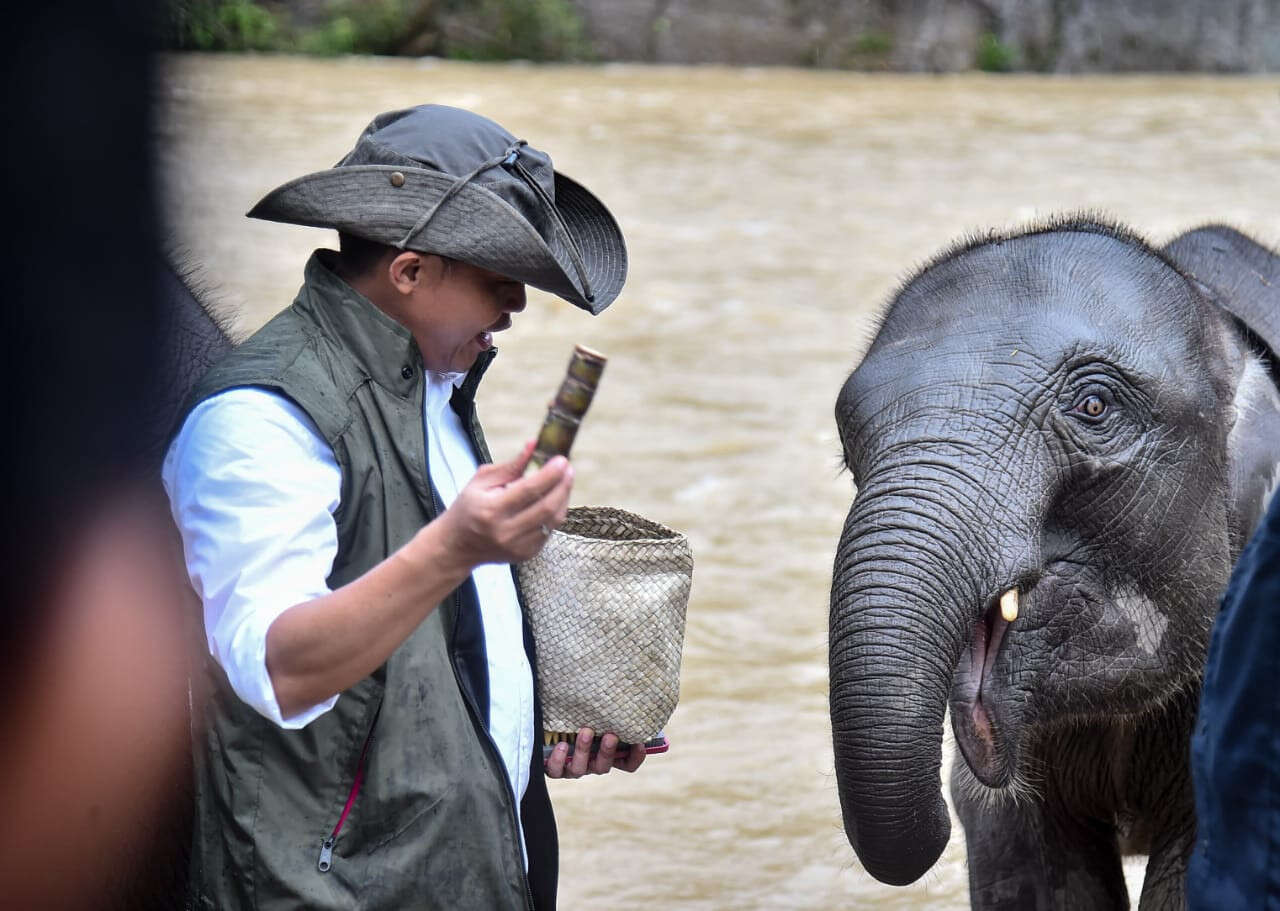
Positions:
(979, 715)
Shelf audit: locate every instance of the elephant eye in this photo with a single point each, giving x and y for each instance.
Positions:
(1091, 406)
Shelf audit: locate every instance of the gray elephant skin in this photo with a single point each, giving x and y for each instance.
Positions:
(1073, 415)
(191, 339)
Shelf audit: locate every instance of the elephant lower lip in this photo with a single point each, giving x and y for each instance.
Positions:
(982, 725)
(976, 737)
(977, 731)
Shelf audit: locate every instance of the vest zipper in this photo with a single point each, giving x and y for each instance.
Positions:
(495, 756)
(326, 847)
(472, 380)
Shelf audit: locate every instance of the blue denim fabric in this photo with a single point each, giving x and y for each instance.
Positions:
(1235, 752)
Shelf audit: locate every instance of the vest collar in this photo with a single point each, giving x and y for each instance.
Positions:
(383, 349)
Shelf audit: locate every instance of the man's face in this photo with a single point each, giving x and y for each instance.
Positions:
(461, 306)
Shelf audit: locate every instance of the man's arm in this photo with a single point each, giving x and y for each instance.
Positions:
(321, 647)
(253, 487)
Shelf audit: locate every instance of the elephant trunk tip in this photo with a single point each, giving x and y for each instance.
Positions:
(903, 855)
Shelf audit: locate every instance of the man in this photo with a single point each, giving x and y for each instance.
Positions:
(369, 732)
(1235, 752)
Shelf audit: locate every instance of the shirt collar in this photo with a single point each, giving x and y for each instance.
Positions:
(439, 392)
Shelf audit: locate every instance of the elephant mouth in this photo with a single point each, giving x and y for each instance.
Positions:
(977, 707)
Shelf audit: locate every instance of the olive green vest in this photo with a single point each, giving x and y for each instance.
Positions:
(280, 820)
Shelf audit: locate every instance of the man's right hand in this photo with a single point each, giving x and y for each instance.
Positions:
(501, 516)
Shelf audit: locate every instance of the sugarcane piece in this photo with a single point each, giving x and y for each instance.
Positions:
(566, 410)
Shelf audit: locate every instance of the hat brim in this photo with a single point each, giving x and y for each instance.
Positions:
(475, 225)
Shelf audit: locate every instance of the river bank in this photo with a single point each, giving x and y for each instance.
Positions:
(1088, 36)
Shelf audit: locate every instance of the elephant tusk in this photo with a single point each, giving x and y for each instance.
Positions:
(1009, 605)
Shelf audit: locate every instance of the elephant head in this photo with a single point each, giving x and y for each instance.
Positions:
(1056, 439)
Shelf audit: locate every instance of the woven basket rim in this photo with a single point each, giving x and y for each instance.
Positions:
(668, 535)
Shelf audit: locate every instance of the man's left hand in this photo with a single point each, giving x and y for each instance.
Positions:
(561, 765)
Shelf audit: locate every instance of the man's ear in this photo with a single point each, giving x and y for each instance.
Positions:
(406, 271)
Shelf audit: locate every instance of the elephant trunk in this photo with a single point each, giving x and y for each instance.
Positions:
(898, 626)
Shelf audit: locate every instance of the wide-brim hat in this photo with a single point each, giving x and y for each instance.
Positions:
(443, 180)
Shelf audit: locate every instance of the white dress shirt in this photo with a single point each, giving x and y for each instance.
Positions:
(253, 487)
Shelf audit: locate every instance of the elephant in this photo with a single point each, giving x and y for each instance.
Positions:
(1060, 439)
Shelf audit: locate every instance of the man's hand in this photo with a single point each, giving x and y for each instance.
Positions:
(560, 765)
(502, 516)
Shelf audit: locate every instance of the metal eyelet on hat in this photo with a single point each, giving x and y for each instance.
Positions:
(407, 372)
(397, 179)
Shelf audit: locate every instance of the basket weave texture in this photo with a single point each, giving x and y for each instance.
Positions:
(607, 597)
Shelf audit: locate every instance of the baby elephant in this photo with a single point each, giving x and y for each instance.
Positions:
(1061, 439)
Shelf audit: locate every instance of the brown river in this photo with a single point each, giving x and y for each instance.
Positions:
(768, 214)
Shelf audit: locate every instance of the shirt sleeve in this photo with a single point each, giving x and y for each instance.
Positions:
(253, 487)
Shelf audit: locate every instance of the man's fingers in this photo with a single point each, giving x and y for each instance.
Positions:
(560, 765)
(631, 761)
(527, 492)
(555, 762)
(603, 760)
(532, 528)
(581, 753)
(550, 509)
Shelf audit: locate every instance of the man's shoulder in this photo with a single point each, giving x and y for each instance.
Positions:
(290, 356)
(271, 352)
(233, 412)
(246, 425)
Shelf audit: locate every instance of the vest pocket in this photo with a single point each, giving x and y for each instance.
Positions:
(396, 833)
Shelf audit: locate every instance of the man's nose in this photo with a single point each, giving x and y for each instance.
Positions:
(515, 300)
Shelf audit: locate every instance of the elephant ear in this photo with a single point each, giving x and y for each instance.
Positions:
(1243, 278)
(1240, 275)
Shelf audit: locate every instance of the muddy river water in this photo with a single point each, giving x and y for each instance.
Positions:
(768, 214)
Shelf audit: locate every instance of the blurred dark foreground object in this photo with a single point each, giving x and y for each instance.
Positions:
(1235, 752)
(94, 776)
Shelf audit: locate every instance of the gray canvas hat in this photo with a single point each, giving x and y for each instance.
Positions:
(443, 180)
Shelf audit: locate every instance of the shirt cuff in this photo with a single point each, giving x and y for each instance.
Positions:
(246, 669)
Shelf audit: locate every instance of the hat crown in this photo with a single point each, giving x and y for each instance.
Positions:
(454, 141)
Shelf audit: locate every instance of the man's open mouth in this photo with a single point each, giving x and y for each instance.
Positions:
(485, 338)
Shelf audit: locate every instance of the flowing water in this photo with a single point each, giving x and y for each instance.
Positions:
(768, 214)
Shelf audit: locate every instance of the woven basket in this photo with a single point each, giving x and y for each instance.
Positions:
(607, 597)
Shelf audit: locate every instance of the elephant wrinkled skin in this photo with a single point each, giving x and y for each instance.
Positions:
(1074, 416)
